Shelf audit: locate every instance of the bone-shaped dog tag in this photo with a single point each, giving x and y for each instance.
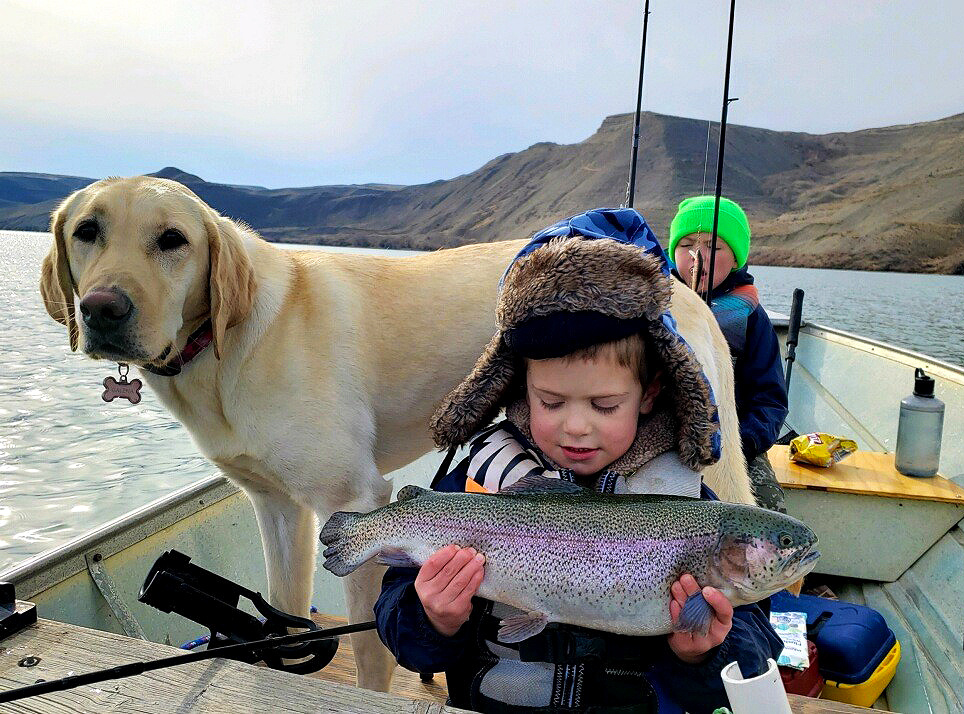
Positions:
(130, 391)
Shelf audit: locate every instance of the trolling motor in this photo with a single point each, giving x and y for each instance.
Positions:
(175, 585)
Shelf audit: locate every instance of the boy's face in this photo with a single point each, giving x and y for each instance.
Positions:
(584, 413)
(700, 243)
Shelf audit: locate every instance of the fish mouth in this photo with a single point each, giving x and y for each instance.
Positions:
(808, 558)
(800, 560)
(789, 569)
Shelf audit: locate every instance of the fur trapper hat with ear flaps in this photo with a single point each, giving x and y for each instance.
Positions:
(592, 278)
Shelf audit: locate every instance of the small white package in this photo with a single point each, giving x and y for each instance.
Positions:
(792, 629)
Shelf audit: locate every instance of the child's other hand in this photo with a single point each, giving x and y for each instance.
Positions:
(691, 647)
(446, 583)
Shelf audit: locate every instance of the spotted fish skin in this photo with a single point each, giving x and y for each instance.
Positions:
(599, 561)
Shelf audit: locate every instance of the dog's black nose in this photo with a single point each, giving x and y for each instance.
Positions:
(105, 310)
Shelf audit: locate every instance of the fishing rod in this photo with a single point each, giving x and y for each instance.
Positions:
(237, 651)
(631, 188)
(719, 159)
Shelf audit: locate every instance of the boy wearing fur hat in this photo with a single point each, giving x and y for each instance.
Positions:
(598, 389)
(761, 392)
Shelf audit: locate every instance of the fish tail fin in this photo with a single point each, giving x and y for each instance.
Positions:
(340, 557)
(696, 615)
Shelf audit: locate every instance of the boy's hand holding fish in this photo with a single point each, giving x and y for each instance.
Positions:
(446, 584)
(691, 647)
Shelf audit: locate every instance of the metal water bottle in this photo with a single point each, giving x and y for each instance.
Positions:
(919, 429)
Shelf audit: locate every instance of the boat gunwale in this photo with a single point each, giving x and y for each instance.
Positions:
(902, 355)
(44, 570)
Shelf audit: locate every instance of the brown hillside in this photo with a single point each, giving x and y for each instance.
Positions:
(883, 199)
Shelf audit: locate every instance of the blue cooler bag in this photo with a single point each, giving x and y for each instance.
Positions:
(852, 640)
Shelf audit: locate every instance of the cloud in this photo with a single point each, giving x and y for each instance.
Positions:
(409, 91)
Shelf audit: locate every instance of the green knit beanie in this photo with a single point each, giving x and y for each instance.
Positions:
(695, 215)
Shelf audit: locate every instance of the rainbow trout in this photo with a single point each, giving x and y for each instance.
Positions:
(561, 553)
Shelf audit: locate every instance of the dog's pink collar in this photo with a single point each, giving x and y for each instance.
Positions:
(199, 339)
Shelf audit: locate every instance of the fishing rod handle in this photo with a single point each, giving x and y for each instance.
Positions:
(796, 312)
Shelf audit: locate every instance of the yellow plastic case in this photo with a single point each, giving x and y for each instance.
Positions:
(865, 693)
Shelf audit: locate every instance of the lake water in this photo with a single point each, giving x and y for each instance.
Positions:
(69, 461)
(918, 312)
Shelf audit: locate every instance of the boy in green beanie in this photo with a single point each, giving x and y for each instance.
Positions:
(761, 392)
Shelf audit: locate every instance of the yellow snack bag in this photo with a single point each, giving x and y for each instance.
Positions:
(821, 449)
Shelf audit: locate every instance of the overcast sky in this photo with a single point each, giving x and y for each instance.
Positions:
(306, 93)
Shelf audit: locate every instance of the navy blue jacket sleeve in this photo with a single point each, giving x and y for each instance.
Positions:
(698, 688)
(761, 392)
(401, 620)
(405, 629)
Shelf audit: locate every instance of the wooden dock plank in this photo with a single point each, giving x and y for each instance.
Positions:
(212, 687)
(862, 472)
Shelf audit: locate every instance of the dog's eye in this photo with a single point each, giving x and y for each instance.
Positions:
(86, 232)
(171, 239)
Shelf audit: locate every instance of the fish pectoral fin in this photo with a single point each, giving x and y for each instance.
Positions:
(695, 616)
(396, 558)
(522, 627)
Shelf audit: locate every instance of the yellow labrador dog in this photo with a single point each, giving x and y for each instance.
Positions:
(323, 368)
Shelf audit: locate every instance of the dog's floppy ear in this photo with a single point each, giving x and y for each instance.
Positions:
(231, 281)
(56, 282)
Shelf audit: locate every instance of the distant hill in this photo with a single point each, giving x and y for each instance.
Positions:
(878, 199)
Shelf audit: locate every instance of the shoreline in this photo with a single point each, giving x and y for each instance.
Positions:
(762, 255)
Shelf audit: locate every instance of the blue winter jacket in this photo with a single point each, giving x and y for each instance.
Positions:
(761, 391)
(405, 629)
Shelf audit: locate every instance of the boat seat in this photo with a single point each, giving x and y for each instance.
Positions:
(870, 473)
(861, 502)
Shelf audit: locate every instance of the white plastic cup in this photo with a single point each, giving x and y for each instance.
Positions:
(763, 694)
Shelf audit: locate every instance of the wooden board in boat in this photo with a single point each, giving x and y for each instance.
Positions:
(872, 522)
(870, 473)
(210, 687)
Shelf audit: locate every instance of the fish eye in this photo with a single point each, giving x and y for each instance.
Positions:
(786, 540)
